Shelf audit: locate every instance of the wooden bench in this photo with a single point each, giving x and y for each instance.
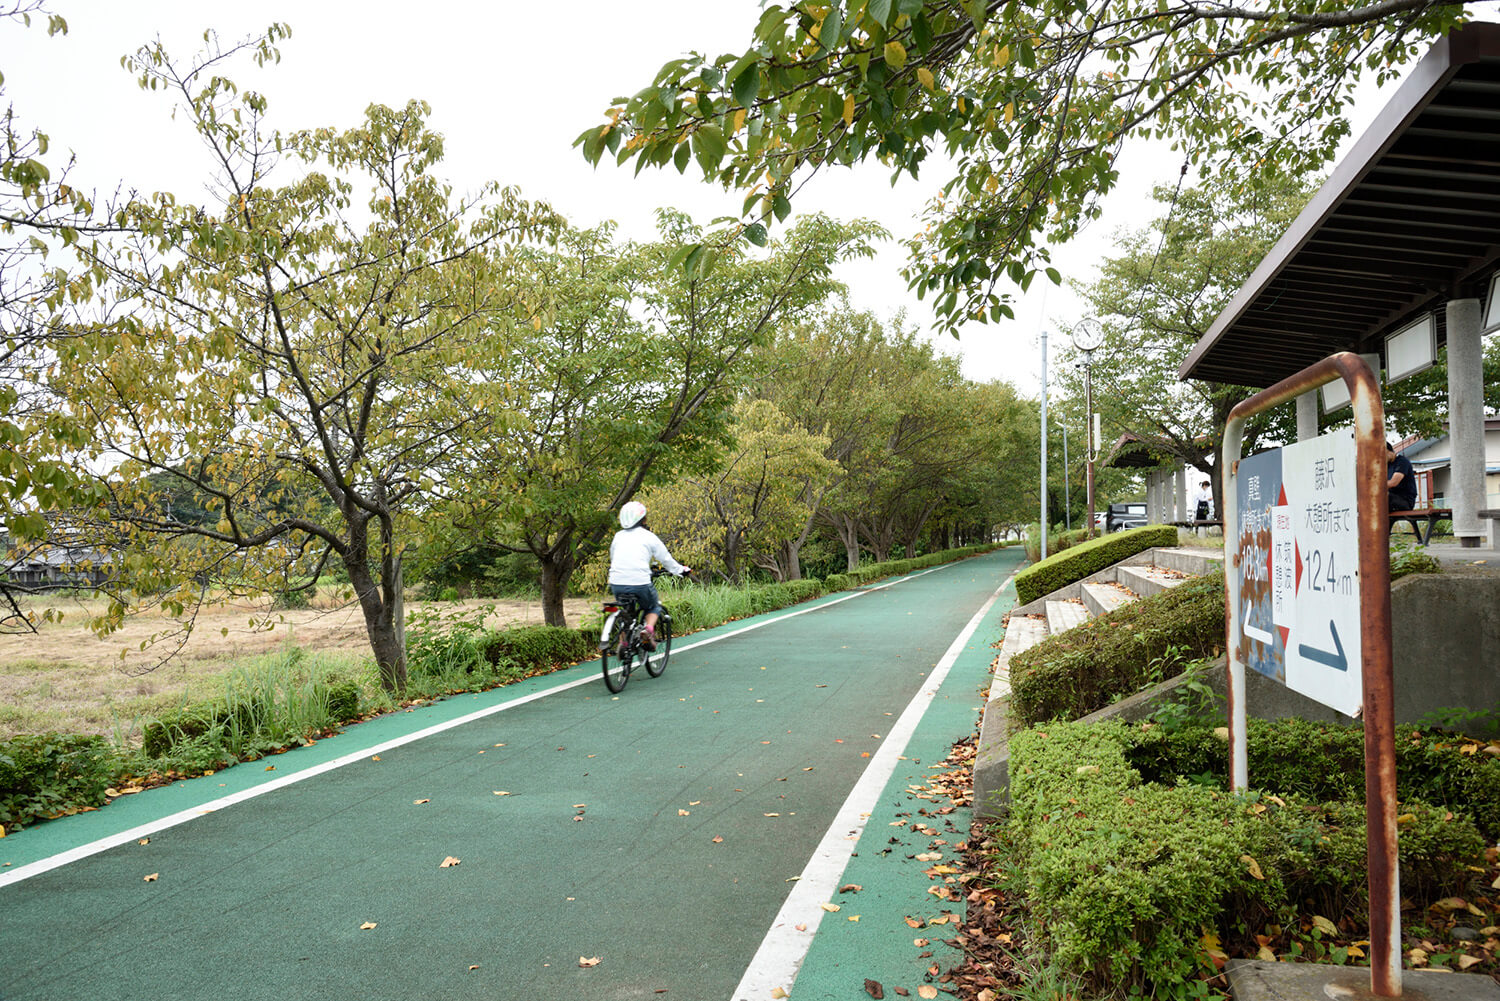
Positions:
(1430, 516)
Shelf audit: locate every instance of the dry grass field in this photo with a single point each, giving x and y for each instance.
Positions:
(65, 678)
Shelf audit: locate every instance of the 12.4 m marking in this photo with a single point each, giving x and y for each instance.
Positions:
(1325, 578)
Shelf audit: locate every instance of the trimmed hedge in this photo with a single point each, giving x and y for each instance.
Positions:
(1077, 562)
(533, 649)
(1092, 665)
(51, 774)
(1126, 875)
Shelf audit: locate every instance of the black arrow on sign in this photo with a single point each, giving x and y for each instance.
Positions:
(1335, 660)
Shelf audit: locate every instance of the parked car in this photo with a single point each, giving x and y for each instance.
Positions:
(1130, 515)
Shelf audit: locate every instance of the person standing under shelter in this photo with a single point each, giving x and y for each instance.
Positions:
(1203, 499)
(1401, 480)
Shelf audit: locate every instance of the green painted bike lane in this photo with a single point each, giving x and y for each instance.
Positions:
(660, 831)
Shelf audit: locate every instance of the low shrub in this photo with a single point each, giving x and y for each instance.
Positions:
(1126, 874)
(1093, 665)
(533, 649)
(51, 774)
(1077, 562)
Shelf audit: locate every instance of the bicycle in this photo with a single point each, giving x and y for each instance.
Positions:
(620, 646)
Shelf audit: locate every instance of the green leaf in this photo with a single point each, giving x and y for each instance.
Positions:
(746, 86)
(880, 11)
(756, 234)
(781, 206)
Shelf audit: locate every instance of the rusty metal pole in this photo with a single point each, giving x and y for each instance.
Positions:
(1377, 675)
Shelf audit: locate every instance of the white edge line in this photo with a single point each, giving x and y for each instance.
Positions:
(779, 958)
(183, 816)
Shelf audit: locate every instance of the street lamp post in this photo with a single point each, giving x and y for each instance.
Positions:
(1087, 337)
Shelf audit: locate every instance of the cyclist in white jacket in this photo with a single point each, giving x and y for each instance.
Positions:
(630, 554)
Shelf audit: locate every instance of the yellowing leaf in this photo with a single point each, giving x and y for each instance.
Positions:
(588, 961)
(718, 839)
(684, 813)
(1451, 904)
(1324, 925)
(1464, 962)
(501, 793)
(449, 862)
(1265, 954)
(1253, 866)
(739, 121)
(925, 75)
(151, 878)
(419, 802)
(778, 993)
(1010, 111)
(830, 908)
(915, 922)
(848, 120)
(895, 57)
(367, 926)
(927, 991)
(854, 917)
(1001, 56)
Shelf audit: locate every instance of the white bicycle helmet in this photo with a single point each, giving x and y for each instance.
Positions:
(632, 514)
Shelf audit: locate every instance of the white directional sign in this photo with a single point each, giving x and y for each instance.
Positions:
(1299, 569)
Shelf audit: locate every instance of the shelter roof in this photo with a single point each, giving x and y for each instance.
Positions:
(1408, 219)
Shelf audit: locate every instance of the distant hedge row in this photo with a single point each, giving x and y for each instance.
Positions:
(1075, 563)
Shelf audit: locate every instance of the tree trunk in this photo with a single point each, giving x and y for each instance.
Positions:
(556, 572)
(791, 560)
(848, 533)
(383, 624)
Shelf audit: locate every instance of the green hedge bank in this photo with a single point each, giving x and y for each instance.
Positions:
(1127, 864)
(1077, 562)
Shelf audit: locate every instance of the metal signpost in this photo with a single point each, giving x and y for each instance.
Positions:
(1309, 601)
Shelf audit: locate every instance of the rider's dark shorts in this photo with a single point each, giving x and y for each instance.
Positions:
(644, 595)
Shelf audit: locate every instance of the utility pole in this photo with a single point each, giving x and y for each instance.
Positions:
(1087, 336)
(1044, 446)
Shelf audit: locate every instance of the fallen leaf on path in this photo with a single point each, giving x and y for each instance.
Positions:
(854, 917)
(921, 943)
(874, 989)
(684, 813)
(903, 992)
(695, 802)
(771, 815)
(367, 926)
(449, 862)
(587, 961)
(143, 841)
(830, 908)
(272, 768)
(802, 927)
(927, 991)
(419, 802)
(579, 817)
(915, 922)
(778, 993)
(502, 793)
(579, 806)
(850, 888)
(151, 878)
(473, 968)
(374, 757)
(718, 838)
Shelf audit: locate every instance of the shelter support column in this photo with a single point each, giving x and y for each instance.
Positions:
(1181, 514)
(1307, 415)
(1466, 419)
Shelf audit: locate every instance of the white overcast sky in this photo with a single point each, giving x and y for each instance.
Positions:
(510, 86)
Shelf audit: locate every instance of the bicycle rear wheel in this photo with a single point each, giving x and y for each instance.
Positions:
(657, 662)
(615, 658)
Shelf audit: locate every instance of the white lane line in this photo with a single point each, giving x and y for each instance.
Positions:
(779, 958)
(183, 816)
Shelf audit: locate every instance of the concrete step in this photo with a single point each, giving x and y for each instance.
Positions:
(1021, 633)
(1146, 581)
(1189, 559)
(1103, 597)
(1064, 615)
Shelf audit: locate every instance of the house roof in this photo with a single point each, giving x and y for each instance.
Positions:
(1407, 220)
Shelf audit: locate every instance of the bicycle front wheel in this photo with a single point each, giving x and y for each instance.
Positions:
(657, 662)
(615, 656)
